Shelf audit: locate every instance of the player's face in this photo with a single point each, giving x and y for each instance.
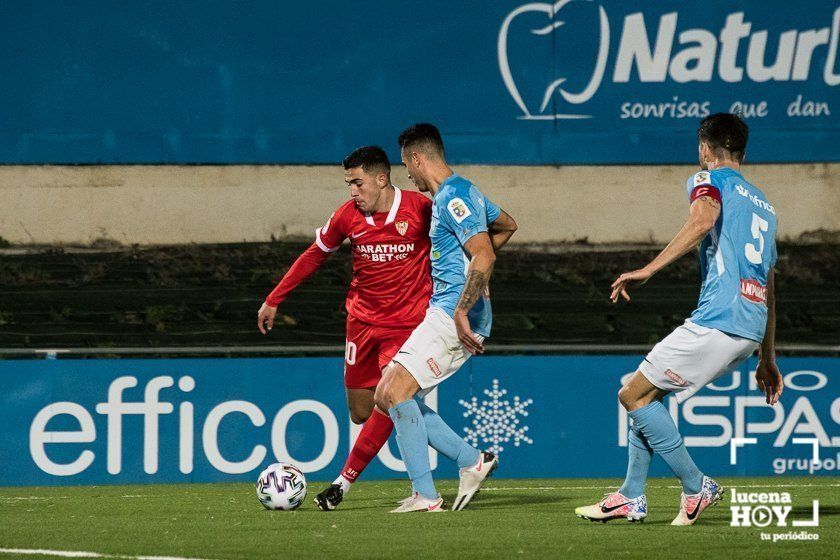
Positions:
(365, 188)
(412, 166)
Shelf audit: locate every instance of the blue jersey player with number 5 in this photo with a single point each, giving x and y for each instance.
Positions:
(735, 226)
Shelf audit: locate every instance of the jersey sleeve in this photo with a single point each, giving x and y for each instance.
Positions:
(465, 217)
(702, 184)
(305, 265)
(330, 237)
(493, 210)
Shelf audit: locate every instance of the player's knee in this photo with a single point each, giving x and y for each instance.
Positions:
(380, 397)
(358, 417)
(394, 388)
(360, 404)
(360, 413)
(626, 397)
(632, 400)
(389, 396)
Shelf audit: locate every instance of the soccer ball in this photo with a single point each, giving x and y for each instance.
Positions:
(281, 486)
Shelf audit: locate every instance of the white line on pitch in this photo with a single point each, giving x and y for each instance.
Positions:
(503, 488)
(85, 554)
(18, 498)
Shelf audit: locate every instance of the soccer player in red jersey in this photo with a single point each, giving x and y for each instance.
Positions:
(388, 230)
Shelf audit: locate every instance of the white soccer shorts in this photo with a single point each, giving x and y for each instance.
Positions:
(692, 356)
(433, 352)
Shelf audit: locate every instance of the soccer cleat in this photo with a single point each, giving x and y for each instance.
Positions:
(471, 479)
(406, 499)
(691, 506)
(329, 499)
(418, 503)
(615, 506)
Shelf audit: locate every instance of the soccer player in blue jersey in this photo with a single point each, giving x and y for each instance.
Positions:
(466, 231)
(735, 226)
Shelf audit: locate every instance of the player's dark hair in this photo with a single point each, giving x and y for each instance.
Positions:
(370, 158)
(423, 136)
(725, 131)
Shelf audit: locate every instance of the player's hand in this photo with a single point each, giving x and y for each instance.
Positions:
(619, 287)
(265, 318)
(465, 334)
(769, 380)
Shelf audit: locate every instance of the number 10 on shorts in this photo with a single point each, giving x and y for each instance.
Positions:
(350, 353)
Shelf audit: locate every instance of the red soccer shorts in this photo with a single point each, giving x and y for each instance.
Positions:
(369, 349)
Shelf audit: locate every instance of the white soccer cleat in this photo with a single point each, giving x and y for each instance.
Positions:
(691, 506)
(419, 503)
(615, 506)
(405, 500)
(471, 479)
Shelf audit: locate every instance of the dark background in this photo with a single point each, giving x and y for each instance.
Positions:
(208, 295)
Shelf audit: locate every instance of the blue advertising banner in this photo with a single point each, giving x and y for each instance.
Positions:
(203, 420)
(508, 82)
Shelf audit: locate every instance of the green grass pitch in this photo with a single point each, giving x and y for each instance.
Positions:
(509, 519)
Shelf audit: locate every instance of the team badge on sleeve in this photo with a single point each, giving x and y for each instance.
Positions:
(402, 227)
(458, 210)
(702, 178)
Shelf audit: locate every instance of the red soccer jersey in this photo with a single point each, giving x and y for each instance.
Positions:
(392, 280)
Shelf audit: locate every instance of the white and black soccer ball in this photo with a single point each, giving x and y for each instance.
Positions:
(281, 486)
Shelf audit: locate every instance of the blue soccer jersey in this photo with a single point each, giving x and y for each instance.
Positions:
(459, 211)
(736, 256)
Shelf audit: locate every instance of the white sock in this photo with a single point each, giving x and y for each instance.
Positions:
(344, 483)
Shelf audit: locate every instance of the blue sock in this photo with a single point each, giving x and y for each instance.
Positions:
(639, 455)
(658, 428)
(446, 441)
(414, 446)
(402, 454)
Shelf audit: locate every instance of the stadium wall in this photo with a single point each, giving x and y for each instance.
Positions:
(225, 204)
(101, 421)
(509, 82)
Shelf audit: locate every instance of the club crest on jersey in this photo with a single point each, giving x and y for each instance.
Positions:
(402, 227)
(702, 178)
(458, 210)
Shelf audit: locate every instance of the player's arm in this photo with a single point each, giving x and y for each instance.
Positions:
(483, 258)
(703, 214)
(327, 240)
(304, 266)
(502, 230)
(767, 374)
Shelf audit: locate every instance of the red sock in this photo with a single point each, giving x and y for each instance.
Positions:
(373, 436)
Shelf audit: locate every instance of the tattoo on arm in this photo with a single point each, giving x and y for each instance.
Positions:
(473, 289)
(710, 201)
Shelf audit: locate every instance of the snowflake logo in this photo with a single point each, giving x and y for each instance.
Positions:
(496, 421)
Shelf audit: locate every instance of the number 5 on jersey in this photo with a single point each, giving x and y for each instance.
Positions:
(759, 225)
